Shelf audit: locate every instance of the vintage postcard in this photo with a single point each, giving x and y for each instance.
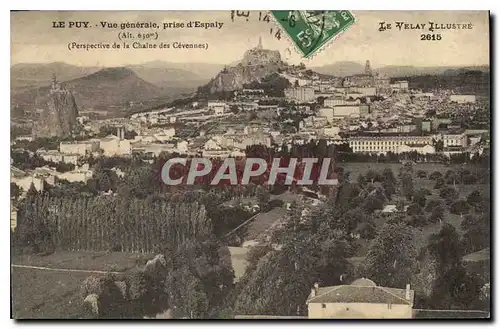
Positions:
(329, 164)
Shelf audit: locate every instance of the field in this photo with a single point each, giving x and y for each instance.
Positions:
(97, 261)
(47, 294)
(40, 294)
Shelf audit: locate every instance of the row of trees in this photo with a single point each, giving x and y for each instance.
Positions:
(108, 223)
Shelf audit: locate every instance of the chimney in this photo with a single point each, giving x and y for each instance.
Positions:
(407, 292)
(313, 292)
(316, 287)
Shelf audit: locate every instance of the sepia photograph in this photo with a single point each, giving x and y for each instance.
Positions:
(239, 165)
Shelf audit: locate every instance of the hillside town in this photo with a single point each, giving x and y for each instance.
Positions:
(366, 113)
(412, 164)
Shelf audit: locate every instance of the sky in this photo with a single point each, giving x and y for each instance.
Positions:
(33, 40)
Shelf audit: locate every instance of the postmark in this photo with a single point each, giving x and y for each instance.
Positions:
(311, 30)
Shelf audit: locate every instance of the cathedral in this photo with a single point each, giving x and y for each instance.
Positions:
(368, 79)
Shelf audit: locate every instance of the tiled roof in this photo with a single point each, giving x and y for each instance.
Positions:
(361, 294)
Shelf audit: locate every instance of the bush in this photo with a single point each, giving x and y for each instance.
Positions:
(366, 230)
(448, 193)
(439, 183)
(474, 197)
(459, 207)
(101, 285)
(136, 284)
(421, 174)
(469, 179)
(414, 209)
(437, 214)
(418, 220)
(435, 175)
(431, 204)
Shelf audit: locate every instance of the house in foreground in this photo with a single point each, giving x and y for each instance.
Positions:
(362, 299)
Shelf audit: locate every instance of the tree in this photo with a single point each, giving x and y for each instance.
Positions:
(372, 176)
(432, 203)
(445, 246)
(414, 209)
(475, 198)
(469, 179)
(477, 232)
(456, 289)
(451, 177)
(391, 257)
(459, 207)
(435, 175)
(407, 185)
(388, 175)
(263, 197)
(439, 183)
(367, 230)
(361, 180)
(419, 196)
(186, 295)
(425, 275)
(15, 191)
(372, 203)
(449, 194)
(421, 174)
(437, 214)
(418, 220)
(389, 182)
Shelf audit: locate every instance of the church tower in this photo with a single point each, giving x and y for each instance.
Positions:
(368, 68)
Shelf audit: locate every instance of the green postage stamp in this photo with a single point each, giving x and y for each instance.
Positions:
(311, 30)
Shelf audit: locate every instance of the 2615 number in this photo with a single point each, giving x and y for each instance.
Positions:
(430, 37)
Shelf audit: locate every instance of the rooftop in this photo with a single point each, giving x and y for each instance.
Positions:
(362, 291)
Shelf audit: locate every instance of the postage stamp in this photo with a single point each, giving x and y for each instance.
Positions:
(311, 30)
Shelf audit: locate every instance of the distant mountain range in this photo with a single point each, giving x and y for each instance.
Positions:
(29, 75)
(350, 68)
(30, 82)
(110, 86)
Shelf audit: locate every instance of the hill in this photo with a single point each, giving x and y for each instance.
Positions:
(188, 71)
(256, 64)
(462, 81)
(405, 71)
(350, 68)
(340, 69)
(174, 75)
(40, 74)
(107, 87)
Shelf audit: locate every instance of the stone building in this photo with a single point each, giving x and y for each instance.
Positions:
(362, 299)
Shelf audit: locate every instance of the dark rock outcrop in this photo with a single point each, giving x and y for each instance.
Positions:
(59, 117)
(256, 64)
